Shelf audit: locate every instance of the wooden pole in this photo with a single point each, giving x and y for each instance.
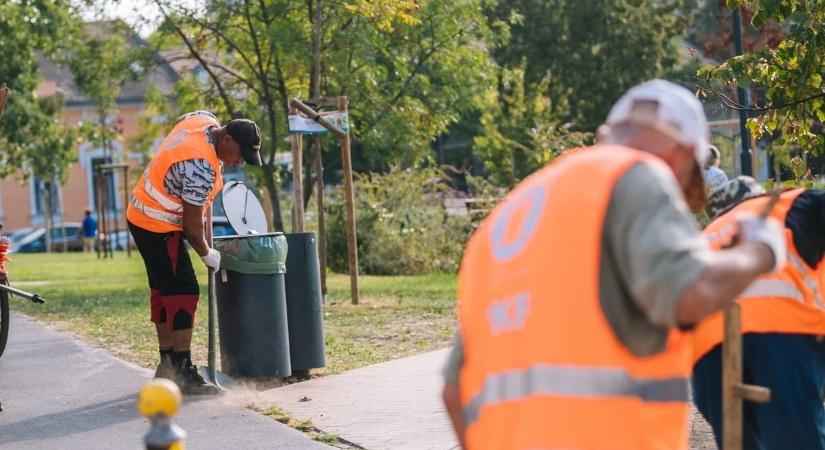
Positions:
(297, 180)
(125, 209)
(103, 220)
(101, 215)
(349, 204)
(731, 377)
(98, 211)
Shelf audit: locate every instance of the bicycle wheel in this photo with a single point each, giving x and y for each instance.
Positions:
(4, 320)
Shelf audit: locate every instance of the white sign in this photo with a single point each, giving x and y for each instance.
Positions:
(305, 125)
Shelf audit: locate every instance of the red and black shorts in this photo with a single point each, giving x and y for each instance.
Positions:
(174, 287)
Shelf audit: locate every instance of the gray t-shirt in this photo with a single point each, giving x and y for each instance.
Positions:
(652, 250)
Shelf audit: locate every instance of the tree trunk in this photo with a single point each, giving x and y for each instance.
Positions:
(272, 189)
(317, 162)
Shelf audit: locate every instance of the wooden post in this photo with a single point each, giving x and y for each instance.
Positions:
(125, 208)
(98, 211)
(102, 237)
(349, 204)
(297, 180)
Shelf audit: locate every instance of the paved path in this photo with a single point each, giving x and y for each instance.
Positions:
(393, 405)
(58, 393)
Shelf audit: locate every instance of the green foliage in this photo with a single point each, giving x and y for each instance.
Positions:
(32, 138)
(788, 77)
(595, 50)
(409, 68)
(521, 131)
(402, 225)
(410, 85)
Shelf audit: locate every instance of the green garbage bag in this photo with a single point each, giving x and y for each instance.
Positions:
(253, 254)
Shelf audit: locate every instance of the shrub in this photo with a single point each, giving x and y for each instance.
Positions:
(401, 223)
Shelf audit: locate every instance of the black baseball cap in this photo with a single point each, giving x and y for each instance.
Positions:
(246, 133)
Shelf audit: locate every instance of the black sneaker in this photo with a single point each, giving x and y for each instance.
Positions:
(192, 383)
(166, 368)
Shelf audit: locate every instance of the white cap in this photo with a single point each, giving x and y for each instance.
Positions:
(670, 109)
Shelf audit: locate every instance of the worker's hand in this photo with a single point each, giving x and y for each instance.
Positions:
(212, 259)
(765, 231)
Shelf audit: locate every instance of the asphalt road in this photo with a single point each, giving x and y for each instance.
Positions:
(59, 393)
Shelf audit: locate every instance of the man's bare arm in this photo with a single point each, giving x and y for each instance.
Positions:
(193, 227)
(727, 275)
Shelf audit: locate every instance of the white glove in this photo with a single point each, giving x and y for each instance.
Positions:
(766, 231)
(212, 259)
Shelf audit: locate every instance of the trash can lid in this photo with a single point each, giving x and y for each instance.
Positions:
(243, 210)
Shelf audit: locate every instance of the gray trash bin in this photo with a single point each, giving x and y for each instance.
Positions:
(303, 303)
(251, 297)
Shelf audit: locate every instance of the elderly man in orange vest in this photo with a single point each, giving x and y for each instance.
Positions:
(167, 207)
(783, 324)
(572, 293)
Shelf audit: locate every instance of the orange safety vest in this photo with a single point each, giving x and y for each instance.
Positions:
(151, 208)
(542, 366)
(786, 301)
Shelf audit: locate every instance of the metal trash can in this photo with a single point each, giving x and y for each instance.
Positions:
(252, 313)
(303, 303)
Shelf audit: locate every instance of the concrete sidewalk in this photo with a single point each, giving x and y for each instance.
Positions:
(58, 393)
(393, 405)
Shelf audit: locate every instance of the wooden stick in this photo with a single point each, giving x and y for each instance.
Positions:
(125, 209)
(731, 379)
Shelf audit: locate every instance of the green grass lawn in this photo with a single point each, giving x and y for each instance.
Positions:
(107, 302)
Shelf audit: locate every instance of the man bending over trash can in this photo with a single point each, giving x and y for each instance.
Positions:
(168, 206)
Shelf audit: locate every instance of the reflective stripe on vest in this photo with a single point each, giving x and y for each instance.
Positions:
(811, 284)
(570, 381)
(160, 198)
(772, 288)
(157, 214)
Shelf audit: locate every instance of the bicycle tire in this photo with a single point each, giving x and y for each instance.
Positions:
(4, 320)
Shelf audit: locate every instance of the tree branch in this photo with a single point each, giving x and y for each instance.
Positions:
(226, 100)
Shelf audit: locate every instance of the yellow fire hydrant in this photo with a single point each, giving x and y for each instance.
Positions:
(159, 401)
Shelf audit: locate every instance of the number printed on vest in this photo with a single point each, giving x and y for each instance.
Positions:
(533, 199)
(509, 314)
